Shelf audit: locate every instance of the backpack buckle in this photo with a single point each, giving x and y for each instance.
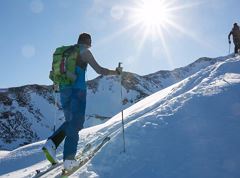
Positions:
(63, 65)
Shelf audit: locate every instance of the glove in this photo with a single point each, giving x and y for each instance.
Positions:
(229, 41)
(119, 70)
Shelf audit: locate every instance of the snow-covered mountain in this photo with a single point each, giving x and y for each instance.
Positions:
(27, 113)
(189, 129)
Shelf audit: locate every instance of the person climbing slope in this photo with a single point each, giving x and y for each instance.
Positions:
(235, 32)
(72, 87)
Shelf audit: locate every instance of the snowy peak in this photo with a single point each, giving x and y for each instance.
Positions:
(167, 78)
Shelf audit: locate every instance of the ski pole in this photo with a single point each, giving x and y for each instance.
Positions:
(55, 108)
(229, 50)
(124, 145)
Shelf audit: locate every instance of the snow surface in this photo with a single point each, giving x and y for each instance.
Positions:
(28, 113)
(188, 130)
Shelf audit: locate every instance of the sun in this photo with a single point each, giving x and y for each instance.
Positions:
(151, 13)
(158, 18)
(154, 19)
(151, 23)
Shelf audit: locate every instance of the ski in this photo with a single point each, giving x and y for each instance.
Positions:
(40, 173)
(82, 162)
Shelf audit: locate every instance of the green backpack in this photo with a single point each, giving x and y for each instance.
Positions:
(64, 64)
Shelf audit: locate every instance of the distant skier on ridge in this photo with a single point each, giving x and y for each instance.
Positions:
(73, 97)
(235, 32)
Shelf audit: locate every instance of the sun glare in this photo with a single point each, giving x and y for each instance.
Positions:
(157, 18)
(154, 20)
(151, 13)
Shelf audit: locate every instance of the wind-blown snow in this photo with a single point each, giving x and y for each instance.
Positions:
(190, 129)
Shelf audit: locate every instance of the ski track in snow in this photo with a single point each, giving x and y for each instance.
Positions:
(189, 129)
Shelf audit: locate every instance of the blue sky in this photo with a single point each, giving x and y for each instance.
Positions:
(32, 29)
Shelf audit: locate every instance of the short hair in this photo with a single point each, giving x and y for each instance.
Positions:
(85, 38)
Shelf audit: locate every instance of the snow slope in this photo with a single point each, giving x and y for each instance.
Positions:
(190, 129)
(27, 113)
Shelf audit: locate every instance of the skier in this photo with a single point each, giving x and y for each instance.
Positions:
(235, 32)
(73, 100)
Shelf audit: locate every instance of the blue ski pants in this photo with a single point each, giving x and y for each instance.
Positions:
(73, 102)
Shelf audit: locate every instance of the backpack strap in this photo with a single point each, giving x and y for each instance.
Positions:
(69, 50)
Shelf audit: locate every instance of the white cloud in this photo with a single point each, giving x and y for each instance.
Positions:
(37, 6)
(28, 51)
